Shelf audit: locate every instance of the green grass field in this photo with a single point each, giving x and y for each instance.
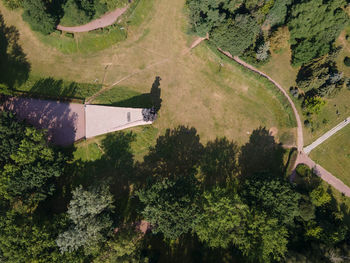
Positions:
(334, 155)
(280, 69)
(198, 87)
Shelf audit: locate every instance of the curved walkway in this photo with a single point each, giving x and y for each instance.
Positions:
(104, 21)
(302, 157)
(300, 138)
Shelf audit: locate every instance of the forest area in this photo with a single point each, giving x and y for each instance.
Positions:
(197, 203)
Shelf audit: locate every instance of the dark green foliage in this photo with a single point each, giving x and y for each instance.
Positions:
(73, 15)
(13, 4)
(36, 15)
(14, 67)
(220, 220)
(314, 26)
(347, 61)
(170, 205)
(24, 238)
(236, 35)
(274, 196)
(277, 14)
(320, 77)
(27, 164)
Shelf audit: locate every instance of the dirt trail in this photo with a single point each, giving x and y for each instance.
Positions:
(104, 21)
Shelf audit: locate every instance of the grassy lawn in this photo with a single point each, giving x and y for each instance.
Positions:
(145, 137)
(334, 155)
(198, 88)
(279, 68)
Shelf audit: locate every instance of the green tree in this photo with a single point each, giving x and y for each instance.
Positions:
(124, 247)
(36, 15)
(27, 164)
(263, 238)
(221, 218)
(170, 205)
(89, 210)
(310, 40)
(272, 195)
(235, 35)
(13, 4)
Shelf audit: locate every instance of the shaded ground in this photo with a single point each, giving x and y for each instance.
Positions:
(65, 122)
(104, 21)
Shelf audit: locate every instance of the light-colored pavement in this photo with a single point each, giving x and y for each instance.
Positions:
(104, 21)
(324, 174)
(65, 122)
(105, 119)
(325, 136)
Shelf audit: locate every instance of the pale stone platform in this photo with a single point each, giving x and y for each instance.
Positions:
(105, 119)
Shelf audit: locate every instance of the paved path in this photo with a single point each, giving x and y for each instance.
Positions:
(302, 157)
(325, 136)
(106, 119)
(104, 21)
(324, 174)
(300, 138)
(65, 122)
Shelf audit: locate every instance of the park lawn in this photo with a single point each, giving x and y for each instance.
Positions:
(334, 155)
(198, 88)
(280, 69)
(91, 150)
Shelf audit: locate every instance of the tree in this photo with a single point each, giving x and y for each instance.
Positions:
(170, 205)
(13, 4)
(272, 195)
(220, 220)
(312, 40)
(27, 237)
(89, 210)
(27, 164)
(36, 15)
(125, 247)
(277, 14)
(235, 36)
(263, 238)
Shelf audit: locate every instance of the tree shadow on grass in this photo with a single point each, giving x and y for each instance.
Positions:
(14, 67)
(146, 100)
(261, 154)
(177, 153)
(58, 88)
(219, 163)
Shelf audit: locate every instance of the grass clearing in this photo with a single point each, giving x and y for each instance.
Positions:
(145, 137)
(334, 155)
(198, 88)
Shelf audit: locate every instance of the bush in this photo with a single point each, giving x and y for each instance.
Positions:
(36, 15)
(13, 4)
(347, 61)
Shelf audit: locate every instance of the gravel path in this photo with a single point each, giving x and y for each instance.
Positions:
(104, 21)
(325, 136)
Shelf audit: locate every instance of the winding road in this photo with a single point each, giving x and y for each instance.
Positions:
(104, 21)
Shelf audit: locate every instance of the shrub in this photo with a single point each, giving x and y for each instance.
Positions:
(347, 61)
